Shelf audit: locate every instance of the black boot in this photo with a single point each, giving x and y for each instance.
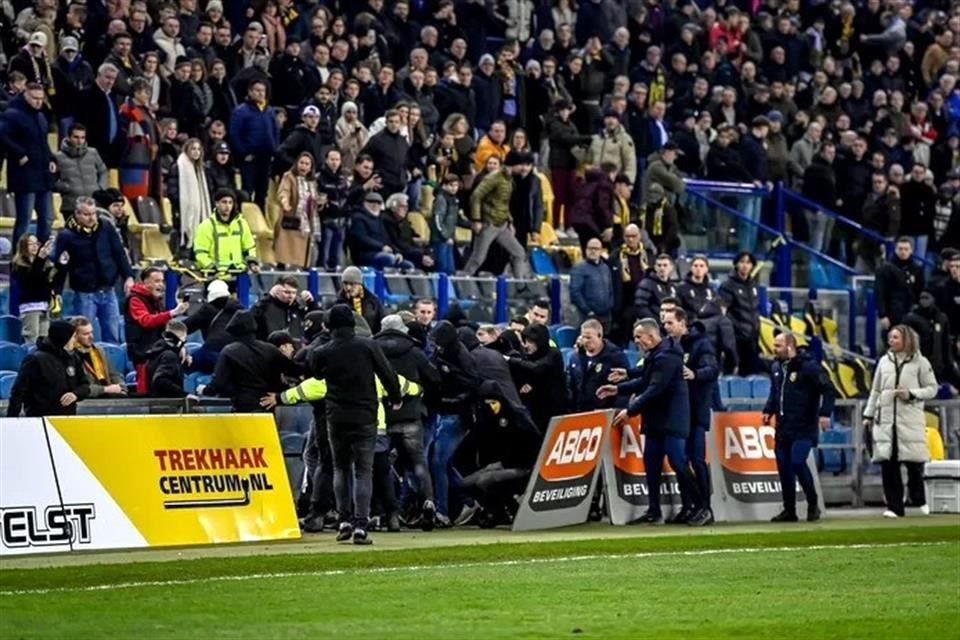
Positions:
(813, 512)
(787, 515)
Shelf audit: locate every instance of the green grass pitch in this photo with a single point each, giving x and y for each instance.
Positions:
(836, 579)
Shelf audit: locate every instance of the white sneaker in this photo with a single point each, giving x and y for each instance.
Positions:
(890, 514)
(925, 509)
(467, 514)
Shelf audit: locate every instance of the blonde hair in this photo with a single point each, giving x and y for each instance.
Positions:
(911, 341)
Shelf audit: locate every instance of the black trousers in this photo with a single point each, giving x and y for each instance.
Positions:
(352, 448)
(893, 481)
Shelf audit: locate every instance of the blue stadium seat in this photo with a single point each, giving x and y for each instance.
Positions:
(759, 387)
(568, 354)
(196, 336)
(633, 358)
(724, 384)
(566, 337)
(542, 262)
(28, 348)
(292, 443)
(11, 355)
(11, 329)
(131, 378)
(6, 385)
(831, 460)
(740, 387)
(117, 356)
(193, 346)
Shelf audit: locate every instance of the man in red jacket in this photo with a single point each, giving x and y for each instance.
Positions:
(145, 319)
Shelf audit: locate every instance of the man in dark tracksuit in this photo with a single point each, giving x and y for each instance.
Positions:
(739, 291)
(663, 400)
(801, 400)
(351, 366)
(51, 380)
(655, 288)
(701, 371)
(590, 368)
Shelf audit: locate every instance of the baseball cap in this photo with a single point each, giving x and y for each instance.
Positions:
(310, 110)
(69, 43)
(38, 38)
(373, 196)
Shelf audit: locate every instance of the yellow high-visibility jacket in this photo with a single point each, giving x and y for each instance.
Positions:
(229, 245)
(313, 389)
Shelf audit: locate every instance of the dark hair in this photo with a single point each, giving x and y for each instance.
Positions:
(664, 256)
(679, 314)
(670, 300)
(149, 271)
(76, 126)
(543, 303)
(288, 281)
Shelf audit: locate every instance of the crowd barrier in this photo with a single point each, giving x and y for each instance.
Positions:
(83, 483)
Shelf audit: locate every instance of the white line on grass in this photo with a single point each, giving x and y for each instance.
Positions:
(461, 565)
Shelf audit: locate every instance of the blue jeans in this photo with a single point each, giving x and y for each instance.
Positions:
(792, 466)
(675, 450)
(25, 203)
(750, 206)
(443, 258)
(448, 434)
(100, 305)
(331, 243)
(697, 455)
(389, 261)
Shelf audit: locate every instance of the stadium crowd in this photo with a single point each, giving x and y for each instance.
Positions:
(435, 135)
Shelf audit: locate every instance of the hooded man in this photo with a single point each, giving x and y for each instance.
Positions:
(211, 320)
(540, 376)
(50, 381)
(165, 361)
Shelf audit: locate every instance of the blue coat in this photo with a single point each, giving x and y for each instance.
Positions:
(754, 157)
(366, 238)
(253, 132)
(663, 397)
(23, 132)
(587, 374)
(591, 288)
(699, 356)
(800, 393)
(95, 259)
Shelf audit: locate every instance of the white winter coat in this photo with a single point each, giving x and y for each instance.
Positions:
(906, 416)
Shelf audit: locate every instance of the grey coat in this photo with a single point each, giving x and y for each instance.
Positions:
(82, 172)
(890, 413)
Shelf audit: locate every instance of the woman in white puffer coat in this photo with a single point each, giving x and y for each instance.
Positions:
(902, 382)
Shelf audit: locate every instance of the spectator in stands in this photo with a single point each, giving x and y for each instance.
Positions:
(802, 154)
(351, 367)
(360, 299)
(403, 239)
(219, 168)
(800, 404)
(591, 209)
(660, 220)
(248, 369)
(50, 381)
(389, 151)
(166, 360)
(81, 170)
(89, 251)
(102, 378)
(540, 376)
(443, 225)
(739, 292)
(211, 320)
(918, 199)
(255, 135)
(297, 232)
(526, 200)
(894, 415)
(145, 319)
(99, 112)
(881, 214)
(405, 425)
(932, 327)
(696, 290)
(947, 293)
(753, 153)
(899, 282)
(189, 191)
(629, 266)
(137, 148)
(564, 139)
(613, 144)
(283, 309)
(820, 186)
(351, 135)
(494, 144)
(368, 239)
(662, 170)
(306, 137)
(701, 371)
(590, 368)
(591, 285)
(492, 220)
(655, 287)
(31, 170)
(33, 272)
(662, 400)
(223, 242)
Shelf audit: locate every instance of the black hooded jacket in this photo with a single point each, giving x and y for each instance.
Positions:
(543, 371)
(459, 380)
(211, 320)
(45, 376)
(248, 369)
(408, 360)
(719, 330)
(699, 356)
(492, 368)
(164, 368)
(742, 304)
(272, 315)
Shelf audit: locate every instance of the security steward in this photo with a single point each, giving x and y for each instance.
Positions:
(701, 371)
(223, 242)
(662, 398)
(801, 400)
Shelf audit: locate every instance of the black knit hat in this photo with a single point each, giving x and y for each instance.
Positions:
(340, 316)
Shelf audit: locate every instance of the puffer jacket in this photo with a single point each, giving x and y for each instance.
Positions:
(617, 148)
(82, 171)
(742, 303)
(903, 419)
(490, 201)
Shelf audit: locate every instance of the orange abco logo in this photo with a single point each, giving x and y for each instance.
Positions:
(574, 448)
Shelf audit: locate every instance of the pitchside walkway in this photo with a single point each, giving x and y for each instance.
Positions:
(839, 519)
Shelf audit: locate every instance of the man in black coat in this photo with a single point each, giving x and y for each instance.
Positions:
(389, 151)
(654, 288)
(739, 292)
(899, 282)
(820, 186)
(405, 425)
(934, 329)
(98, 110)
(51, 380)
(305, 137)
(591, 366)
(659, 393)
(701, 372)
(165, 360)
(801, 404)
(211, 320)
(352, 367)
(282, 309)
(540, 376)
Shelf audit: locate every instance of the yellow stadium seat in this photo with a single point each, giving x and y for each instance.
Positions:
(934, 439)
(258, 227)
(272, 213)
(53, 141)
(113, 179)
(426, 201)
(58, 221)
(420, 226)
